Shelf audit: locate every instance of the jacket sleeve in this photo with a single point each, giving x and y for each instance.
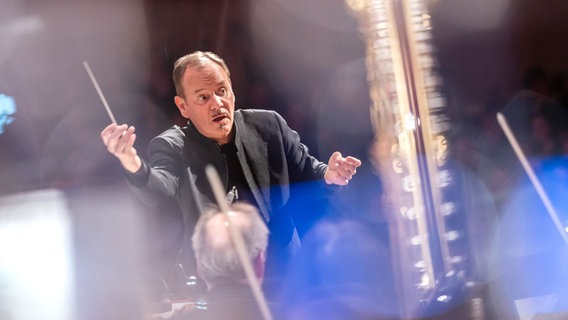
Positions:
(301, 165)
(158, 178)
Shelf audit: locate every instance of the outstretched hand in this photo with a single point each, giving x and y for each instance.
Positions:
(119, 140)
(340, 170)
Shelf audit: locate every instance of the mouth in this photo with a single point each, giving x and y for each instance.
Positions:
(219, 118)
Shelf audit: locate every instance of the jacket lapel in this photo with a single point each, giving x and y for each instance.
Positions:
(253, 157)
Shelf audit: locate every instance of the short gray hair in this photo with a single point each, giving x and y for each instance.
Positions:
(220, 263)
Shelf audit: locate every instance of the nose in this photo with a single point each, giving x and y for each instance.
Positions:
(216, 102)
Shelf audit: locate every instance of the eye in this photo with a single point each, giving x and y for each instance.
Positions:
(202, 98)
(222, 91)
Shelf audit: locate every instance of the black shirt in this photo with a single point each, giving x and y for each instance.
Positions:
(237, 178)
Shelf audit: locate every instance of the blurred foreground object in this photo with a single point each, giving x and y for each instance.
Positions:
(36, 261)
(436, 229)
(530, 253)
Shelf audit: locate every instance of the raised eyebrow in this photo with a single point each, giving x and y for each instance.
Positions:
(197, 91)
(222, 84)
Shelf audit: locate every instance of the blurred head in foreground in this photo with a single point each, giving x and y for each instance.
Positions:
(217, 259)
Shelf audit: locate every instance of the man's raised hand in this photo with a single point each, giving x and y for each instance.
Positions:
(340, 170)
(119, 141)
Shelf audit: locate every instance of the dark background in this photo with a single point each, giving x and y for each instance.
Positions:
(304, 59)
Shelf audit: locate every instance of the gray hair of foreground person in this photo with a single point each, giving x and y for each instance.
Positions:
(217, 259)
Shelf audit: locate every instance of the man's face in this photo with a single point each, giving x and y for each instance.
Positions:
(209, 101)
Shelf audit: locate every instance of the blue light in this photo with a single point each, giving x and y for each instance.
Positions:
(7, 109)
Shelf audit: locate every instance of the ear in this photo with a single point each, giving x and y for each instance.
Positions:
(182, 106)
(258, 265)
(200, 276)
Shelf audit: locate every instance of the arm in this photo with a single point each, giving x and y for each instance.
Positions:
(152, 181)
(338, 171)
(301, 165)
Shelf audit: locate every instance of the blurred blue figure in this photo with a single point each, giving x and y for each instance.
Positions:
(532, 257)
(7, 109)
(342, 272)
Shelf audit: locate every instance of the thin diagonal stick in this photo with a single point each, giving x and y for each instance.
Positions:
(528, 169)
(96, 84)
(238, 241)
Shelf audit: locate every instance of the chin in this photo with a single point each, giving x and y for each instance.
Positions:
(227, 126)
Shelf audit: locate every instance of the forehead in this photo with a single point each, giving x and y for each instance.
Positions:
(207, 74)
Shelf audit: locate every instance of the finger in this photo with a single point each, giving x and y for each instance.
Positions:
(342, 183)
(342, 170)
(115, 142)
(338, 176)
(107, 132)
(117, 132)
(354, 161)
(340, 180)
(111, 143)
(344, 180)
(348, 167)
(347, 175)
(349, 172)
(129, 145)
(112, 139)
(343, 173)
(124, 141)
(335, 158)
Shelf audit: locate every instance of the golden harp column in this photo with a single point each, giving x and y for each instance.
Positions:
(411, 152)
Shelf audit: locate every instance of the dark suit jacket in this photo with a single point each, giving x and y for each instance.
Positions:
(270, 153)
